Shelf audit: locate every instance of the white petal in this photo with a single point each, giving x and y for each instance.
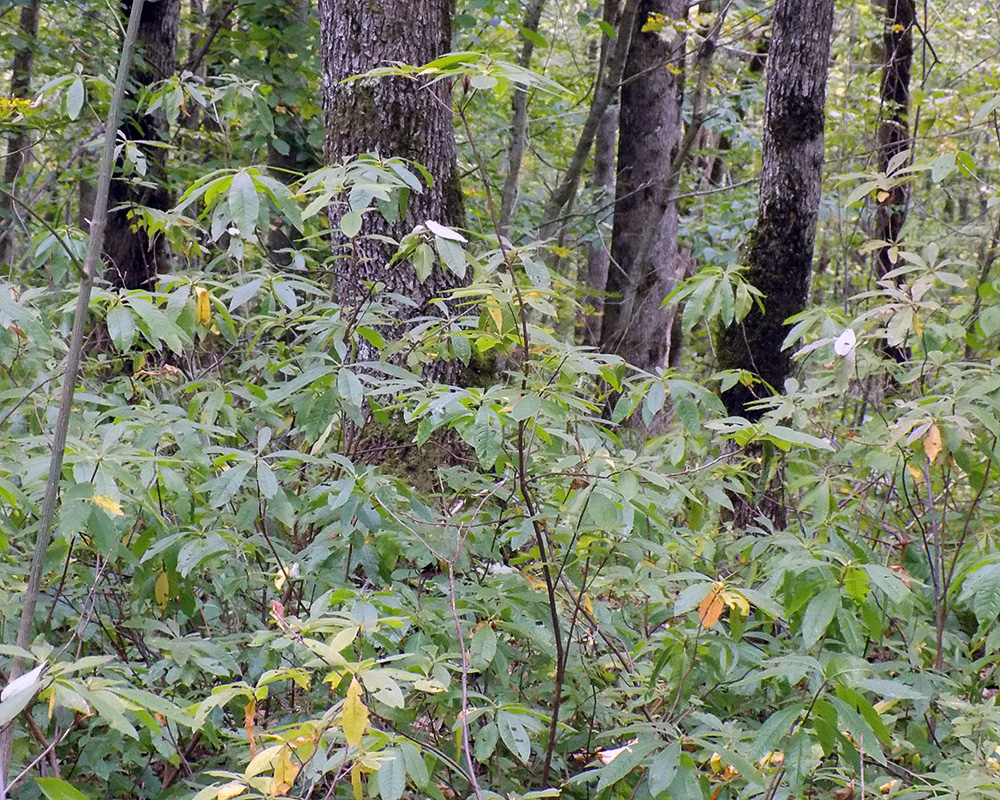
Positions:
(445, 233)
(845, 343)
(24, 682)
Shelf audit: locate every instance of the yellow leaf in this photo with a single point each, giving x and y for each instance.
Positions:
(356, 781)
(882, 196)
(109, 504)
(893, 254)
(161, 592)
(736, 602)
(897, 28)
(285, 771)
(230, 790)
(496, 313)
(932, 443)
(588, 606)
(354, 717)
(204, 305)
(915, 473)
(711, 606)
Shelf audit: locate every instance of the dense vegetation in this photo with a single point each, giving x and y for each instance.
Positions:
(285, 567)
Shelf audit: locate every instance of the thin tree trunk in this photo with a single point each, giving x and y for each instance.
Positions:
(602, 181)
(133, 259)
(19, 142)
(519, 120)
(288, 154)
(392, 117)
(780, 251)
(607, 86)
(894, 134)
(50, 499)
(635, 325)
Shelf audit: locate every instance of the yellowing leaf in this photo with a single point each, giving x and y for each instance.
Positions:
(161, 592)
(109, 504)
(354, 717)
(285, 771)
(915, 473)
(356, 781)
(204, 305)
(882, 196)
(230, 790)
(249, 715)
(711, 606)
(932, 443)
(736, 602)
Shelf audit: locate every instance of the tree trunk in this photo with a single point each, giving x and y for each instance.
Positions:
(780, 252)
(640, 276)
(289, 153)
(133, 259)
(19, 142)
(519, 120)
(602, 181)
(608, 83)
(393, 117)
(894, 134)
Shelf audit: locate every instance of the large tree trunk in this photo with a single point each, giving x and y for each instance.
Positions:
(392, 117)
(19, 142)
(133, 259)
(640, 276)
(780, 252)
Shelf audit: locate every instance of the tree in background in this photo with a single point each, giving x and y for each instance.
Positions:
(133, 258)
(646, 265)
(19, 142)
(780, 250)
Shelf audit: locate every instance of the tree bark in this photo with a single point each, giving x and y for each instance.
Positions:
(19, 142)
(133, 259)
(393, 117)
(780, 251)
(894, 134)
(519, 120)
(641, 275)
(608, 84)
(602, 181)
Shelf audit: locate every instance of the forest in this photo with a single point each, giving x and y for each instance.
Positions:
(499, 399)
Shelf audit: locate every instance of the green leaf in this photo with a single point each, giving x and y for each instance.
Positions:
(452, 255)
(121, 327)
(487, 435)
(58, 789)
(819, 614)
(244, 203)
(266, 481)
(514, 735)
(350, 224)
(75, 95)
(391, 774)
(663, 768)
(483, 647)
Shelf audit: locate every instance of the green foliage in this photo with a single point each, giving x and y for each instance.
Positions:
(241, 601)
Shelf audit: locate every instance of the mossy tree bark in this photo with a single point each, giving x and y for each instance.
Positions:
(133, 260)
(780, 252)
(640, 276)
